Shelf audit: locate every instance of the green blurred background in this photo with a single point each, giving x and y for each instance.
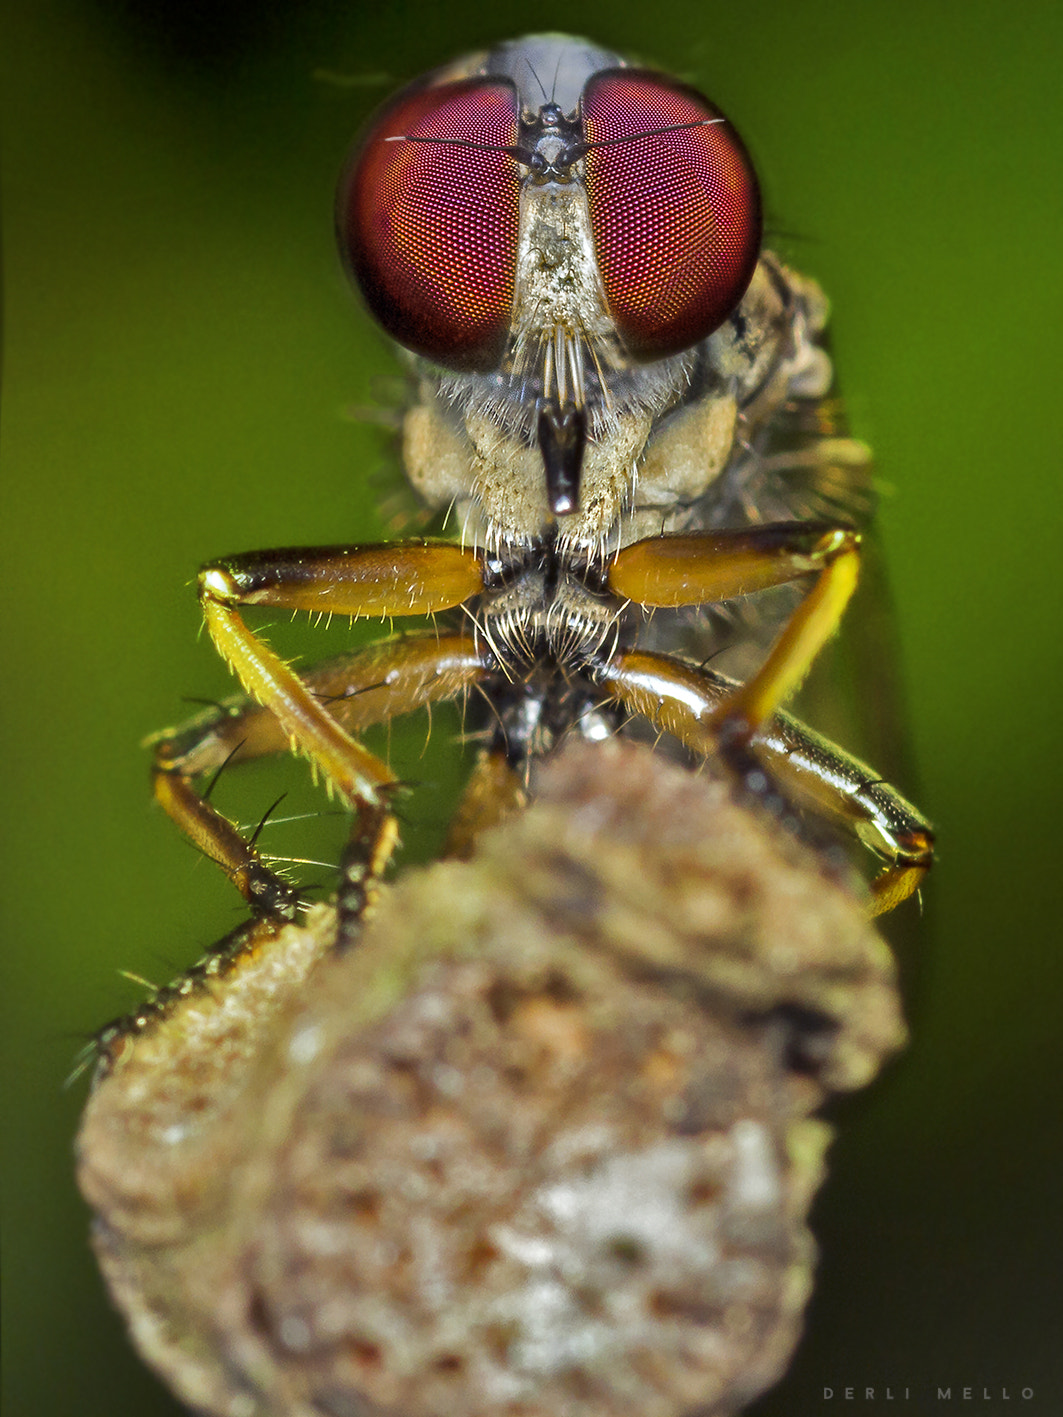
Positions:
(182, 359)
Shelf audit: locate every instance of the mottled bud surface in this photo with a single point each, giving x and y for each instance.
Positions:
(539, 1144)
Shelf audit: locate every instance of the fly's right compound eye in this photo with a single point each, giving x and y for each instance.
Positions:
(427, 217)
(675, 209)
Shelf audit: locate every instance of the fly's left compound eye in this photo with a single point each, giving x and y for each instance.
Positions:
(427, 217)
(675, 209)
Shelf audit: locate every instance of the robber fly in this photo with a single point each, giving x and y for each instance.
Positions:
(622, 404)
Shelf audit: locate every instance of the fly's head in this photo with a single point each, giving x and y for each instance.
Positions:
(556, 234)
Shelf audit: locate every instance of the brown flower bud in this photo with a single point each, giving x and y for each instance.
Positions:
(540, 1143)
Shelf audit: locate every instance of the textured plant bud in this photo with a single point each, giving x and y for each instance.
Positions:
(540, 1144)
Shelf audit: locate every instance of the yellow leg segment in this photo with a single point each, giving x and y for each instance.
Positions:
(346, 766)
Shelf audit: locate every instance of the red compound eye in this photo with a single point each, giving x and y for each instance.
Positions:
(675, 215)
(429, 229)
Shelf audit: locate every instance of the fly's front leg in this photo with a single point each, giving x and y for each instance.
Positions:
(705, 567)
(690, 703)
(406, 579)
(708, 567)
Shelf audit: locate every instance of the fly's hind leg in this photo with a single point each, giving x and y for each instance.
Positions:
(219, 839)
(312, 714)
(843, 789)
(690, 703)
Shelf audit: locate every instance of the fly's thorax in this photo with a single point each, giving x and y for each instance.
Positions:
(769, 352)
